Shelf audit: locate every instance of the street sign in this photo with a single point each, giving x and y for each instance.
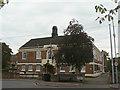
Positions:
(116, 64)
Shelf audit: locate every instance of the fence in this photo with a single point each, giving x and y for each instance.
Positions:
(7, 75)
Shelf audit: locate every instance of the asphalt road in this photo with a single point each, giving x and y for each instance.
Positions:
(17, 84)
(99, 82)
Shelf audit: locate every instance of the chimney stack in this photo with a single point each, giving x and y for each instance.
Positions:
(54, 31)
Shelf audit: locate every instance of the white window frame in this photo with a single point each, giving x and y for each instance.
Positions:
(37, 68)
(24, 58)
(23, 69)
(30, 67)
(61, 68)
(70, 68)
(48, 54)
(38, 54)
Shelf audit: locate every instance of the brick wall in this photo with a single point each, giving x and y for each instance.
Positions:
(89, 69)
(31, 58)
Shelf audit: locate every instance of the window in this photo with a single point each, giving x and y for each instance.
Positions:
(101, 58)
(50, 53)
(38, 54)
(38, 67)
(30, 67)
(24, 55)
(72, 69)
(23, 67)
(62, 68)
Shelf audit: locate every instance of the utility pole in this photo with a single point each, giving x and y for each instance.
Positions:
(115, 52)
(0, 65)
(113, 81)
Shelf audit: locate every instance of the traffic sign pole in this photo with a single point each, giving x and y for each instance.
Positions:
(113, 80)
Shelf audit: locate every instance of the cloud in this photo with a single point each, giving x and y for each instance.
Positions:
(24, 20)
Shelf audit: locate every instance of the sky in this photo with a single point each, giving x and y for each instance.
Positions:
(22, 20)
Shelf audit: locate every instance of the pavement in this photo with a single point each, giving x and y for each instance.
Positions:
(68, 84)
(49, 83)
(115, 86)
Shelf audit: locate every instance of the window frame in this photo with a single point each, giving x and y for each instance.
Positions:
(24, 58)
(61, 68)
(48, 53)
(36, 67)
(39, 55)
(30, 68)
(22, 67)
(70, 68)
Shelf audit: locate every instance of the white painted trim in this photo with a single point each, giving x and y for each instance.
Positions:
(72, 71)
(30, 70)
(29, 63)
(37, 70)
(95, 63)
(62, 70)
(42, 48)
(23, 70)
(70, 68)
(94, 75)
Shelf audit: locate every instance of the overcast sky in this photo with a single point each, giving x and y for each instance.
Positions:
(22, 20)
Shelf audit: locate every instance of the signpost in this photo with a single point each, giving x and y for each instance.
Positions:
(116, 64)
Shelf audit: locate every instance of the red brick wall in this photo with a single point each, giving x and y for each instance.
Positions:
(67, 68)
(43, 54)
(31, 58)
(19, 68)
(88, 70)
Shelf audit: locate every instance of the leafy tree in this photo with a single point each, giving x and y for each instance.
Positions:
(118, 63)
(107, 13)
(109, 65)
(6, 55)
(2, 3)
(76, 47)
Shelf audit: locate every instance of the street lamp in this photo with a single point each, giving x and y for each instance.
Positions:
(113, 81)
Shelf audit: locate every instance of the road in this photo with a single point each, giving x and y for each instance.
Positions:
(20, 84)
(98, 82)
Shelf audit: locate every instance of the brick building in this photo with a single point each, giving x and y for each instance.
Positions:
(34, 54)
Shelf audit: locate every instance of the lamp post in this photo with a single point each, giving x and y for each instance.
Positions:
(115, 52)
(113, 81)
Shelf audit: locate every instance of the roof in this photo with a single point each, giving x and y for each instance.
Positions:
(42, 41)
